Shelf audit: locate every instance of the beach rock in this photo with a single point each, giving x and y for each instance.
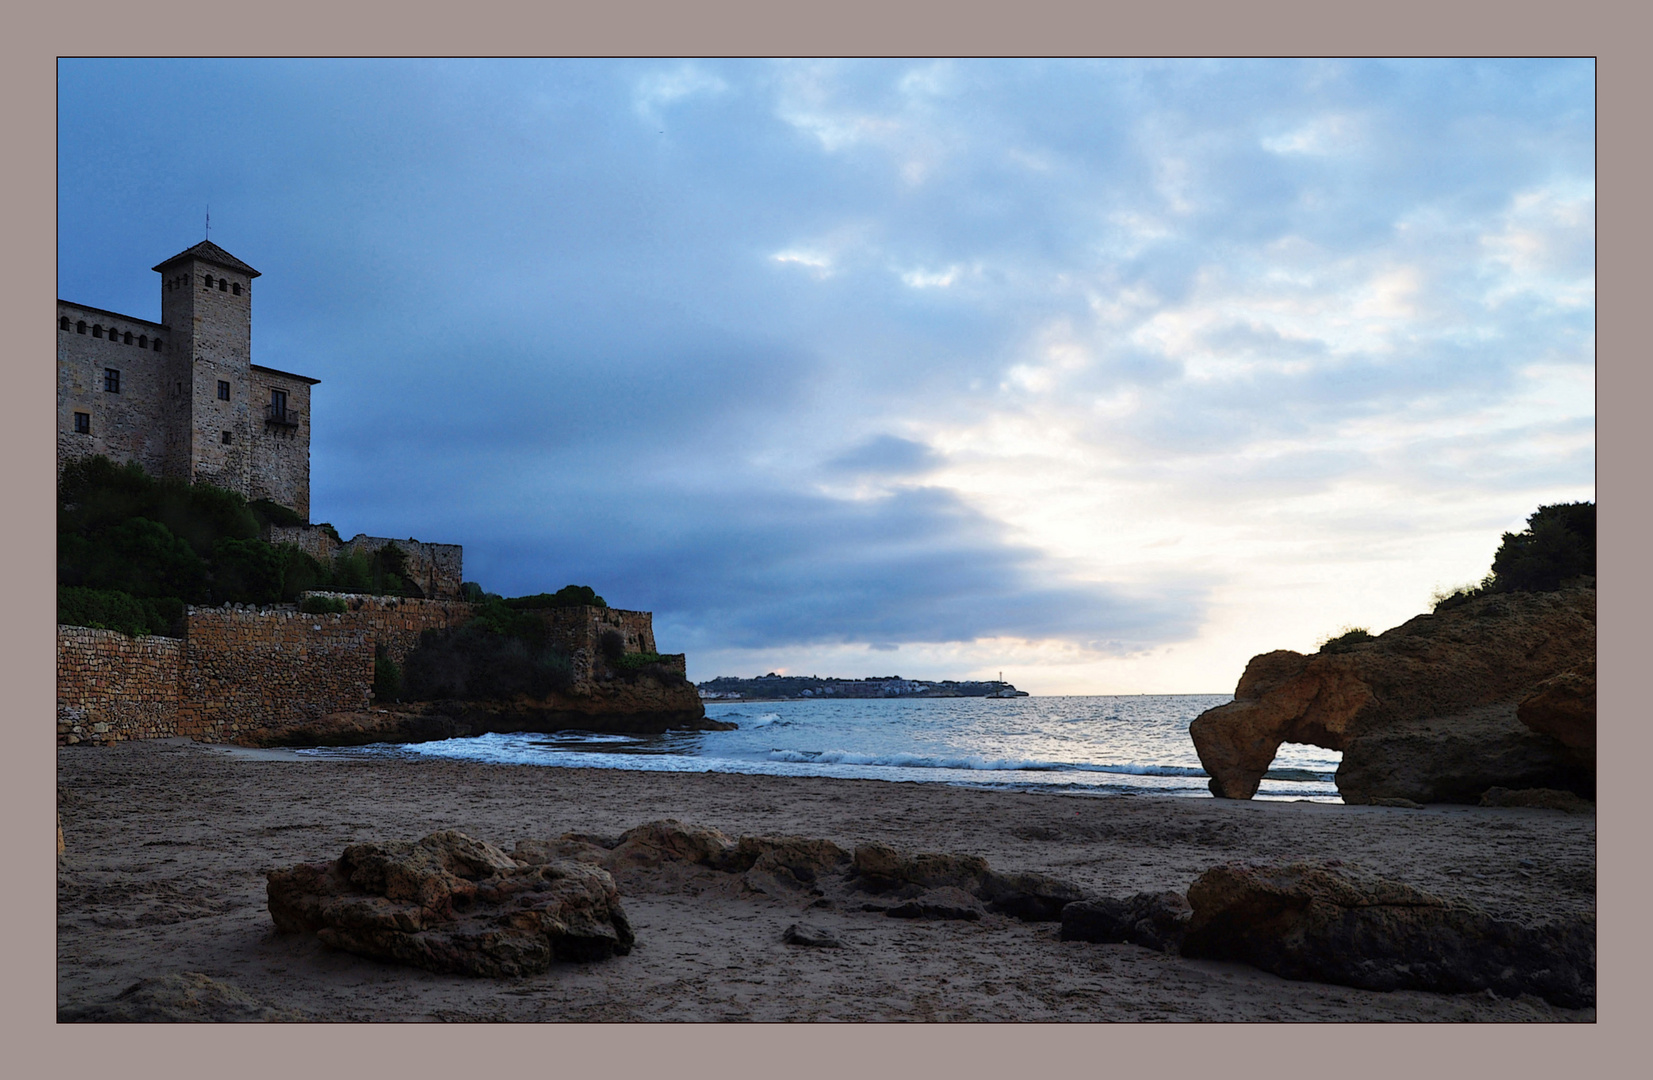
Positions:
(1152, 920)
(1444, 667)
(812, 935)
(669, 840)
(1029, 897)
(577, 846)
(881, 868)
(187, 998)
(1456, 759)
(947, 902)
(797, 857)
(1322, 924)
(450, 903)
(1538, 798)
(1564, 707)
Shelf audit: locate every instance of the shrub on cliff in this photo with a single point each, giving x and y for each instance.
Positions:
(108, 609)
(323, 605)
(1558, 543)
(1346, 640)
(567, 596)
(473, 662)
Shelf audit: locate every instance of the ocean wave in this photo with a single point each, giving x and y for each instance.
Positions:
(973, 763)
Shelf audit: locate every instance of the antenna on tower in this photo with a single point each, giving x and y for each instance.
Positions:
(209, 221)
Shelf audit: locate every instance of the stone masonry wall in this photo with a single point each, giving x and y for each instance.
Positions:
(111, 687)
(578, 631)
(280, 467)
(437, 569)
(314, 542)
(246, 669)
(396, 621)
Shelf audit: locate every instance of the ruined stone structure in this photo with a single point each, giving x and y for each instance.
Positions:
(182, 397)
(437, 570)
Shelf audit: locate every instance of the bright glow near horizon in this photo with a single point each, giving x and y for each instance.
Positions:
(1108, 375)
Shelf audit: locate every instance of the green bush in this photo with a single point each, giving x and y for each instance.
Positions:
(473, 662)
(387, 677)
(567, 596)
(107, 609)
(322, 605)
(1558, 543)
(1346, 640)
(272, 513)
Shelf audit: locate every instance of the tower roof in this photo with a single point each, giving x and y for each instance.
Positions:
(207, 251)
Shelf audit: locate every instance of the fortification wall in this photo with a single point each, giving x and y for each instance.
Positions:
(132, 417)
(578, 631)
(111, 687)
(396, 621)
(438, 569)
(247, 669)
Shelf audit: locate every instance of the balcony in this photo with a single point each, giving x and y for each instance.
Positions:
(280, 416)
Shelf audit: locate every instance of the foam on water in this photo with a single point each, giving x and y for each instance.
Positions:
(1094, 745)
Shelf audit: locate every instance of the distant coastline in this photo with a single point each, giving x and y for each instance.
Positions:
(773, 687)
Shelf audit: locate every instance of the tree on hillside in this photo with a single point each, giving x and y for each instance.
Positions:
(1558, 543)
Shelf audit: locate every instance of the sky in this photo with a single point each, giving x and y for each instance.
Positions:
(1106, 375)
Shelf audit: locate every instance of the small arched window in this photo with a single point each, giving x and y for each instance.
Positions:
(143, 341)
(126, 339)
(156, 344)
(63, 323)
(208, 280)
(80, 327)
(236, 288)
(97, 331)
(223, 286)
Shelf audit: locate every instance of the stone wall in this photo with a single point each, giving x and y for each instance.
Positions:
(242, 672)
(397, 621)
(438, 569)
(280, 469)
(315, 542)
(111, 687)
(251, 669)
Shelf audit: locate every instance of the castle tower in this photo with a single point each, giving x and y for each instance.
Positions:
(182, 397)
(207, 300)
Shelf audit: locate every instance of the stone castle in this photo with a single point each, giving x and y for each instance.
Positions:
(182, 397)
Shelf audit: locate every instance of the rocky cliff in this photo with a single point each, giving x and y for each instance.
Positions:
(645, 705)
(1426, 711)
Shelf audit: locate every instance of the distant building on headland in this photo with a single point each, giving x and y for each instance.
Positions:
(182, 397)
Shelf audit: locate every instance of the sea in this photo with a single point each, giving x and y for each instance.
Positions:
(1094, 745)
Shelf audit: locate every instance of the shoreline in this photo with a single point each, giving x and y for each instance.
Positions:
(167, 844)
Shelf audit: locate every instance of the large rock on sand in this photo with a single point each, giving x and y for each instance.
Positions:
(1564, 707)
(450, 903)
(1152, 920)
(880, 868)
(1317, 923)
(1491, 651)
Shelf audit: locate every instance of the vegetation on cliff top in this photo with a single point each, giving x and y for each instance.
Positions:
(1557, 546)
(133, 549)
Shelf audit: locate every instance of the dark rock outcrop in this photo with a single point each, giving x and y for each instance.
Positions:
(1432, 675)
(1564, 707)
(879, 868)
(450, 903)
(1538, 799)
(812, 935)
(644, 705)
(948, 902)
(187, 998)
(1152, 920)
(1314, 922)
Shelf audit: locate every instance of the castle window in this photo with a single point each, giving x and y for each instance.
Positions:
(156, 345)
(83, 423)
(111, 380)
(208, 280)
(223, 393)
(222, 285)
(63, 323)
(236, 288)
(97, 331)
(127, 339)
(80, 327)
(224, 437)
(143, 341)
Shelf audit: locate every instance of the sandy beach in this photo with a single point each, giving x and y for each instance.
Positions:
(168, 843)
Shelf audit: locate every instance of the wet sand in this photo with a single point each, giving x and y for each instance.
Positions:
(168, 843)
